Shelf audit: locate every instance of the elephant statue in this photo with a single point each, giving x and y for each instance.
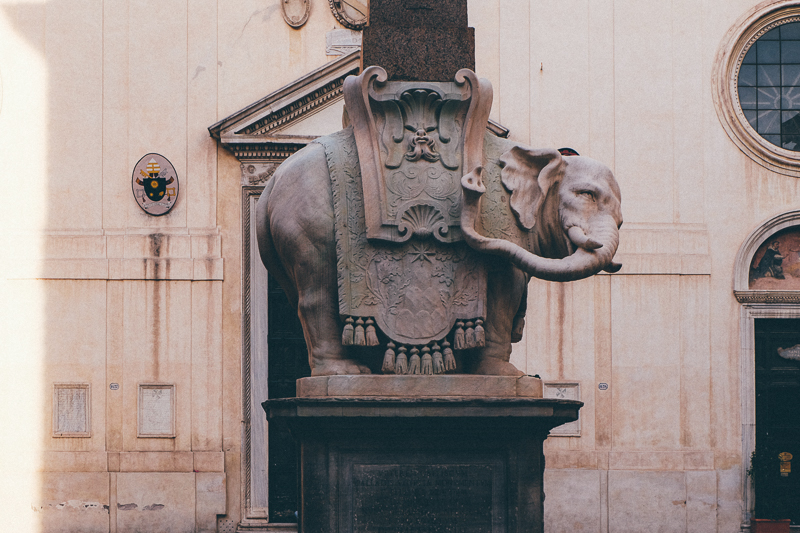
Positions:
(522, 212)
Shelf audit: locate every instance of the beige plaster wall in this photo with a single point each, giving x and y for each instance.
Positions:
(95, 291)
(629, 83)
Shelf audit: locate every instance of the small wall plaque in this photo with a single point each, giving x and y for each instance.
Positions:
(564, 391)
(156, 410)
(342, 42)
(155, 184)
(71, 416)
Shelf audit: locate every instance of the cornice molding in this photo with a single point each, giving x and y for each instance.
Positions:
(767, 297)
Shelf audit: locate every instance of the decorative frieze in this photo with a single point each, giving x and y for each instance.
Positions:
(767, 297)
(257, 173)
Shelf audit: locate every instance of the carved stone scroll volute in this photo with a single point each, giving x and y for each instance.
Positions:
(415, 140)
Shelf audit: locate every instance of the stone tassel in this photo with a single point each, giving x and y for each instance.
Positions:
(469, 335)
(458, 338)
(480, 334)
(427, 362)
(449, 359)
(413, 361)
(372, 335)
(438, 363)
(358, 337)
(401, 363)
(347, 332)
(388, 359)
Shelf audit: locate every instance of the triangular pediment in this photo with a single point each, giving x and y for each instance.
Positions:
(284, 121)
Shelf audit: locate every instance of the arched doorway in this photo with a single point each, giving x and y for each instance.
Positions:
(767, 284)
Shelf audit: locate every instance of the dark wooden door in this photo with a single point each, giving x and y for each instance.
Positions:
(287, 361)
(777, 418)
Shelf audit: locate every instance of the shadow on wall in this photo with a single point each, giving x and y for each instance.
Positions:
(86, 89)
(25, 396)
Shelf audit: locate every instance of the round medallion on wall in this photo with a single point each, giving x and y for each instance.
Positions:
(295, 12)
(351, 14)
(757, 85)
(155, 184)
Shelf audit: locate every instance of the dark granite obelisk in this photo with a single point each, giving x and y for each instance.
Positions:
(419, 40)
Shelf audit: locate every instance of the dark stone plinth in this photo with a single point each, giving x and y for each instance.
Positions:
(418, 13)
(419, 54)
(420, 465)
(418, 40)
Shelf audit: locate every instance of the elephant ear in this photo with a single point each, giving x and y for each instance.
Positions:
(528, 174)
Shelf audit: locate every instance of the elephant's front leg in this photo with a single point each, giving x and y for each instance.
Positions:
(505, 290)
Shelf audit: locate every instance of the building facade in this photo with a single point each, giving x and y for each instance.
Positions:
(137, 348)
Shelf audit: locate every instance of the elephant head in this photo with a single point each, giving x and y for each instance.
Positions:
(571, 205)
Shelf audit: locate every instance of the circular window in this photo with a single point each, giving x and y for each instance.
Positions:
(757, 79)
(769, 86)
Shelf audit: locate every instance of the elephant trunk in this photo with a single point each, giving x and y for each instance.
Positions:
(581, 264)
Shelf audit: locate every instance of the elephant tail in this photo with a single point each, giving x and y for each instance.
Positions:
(266, 247)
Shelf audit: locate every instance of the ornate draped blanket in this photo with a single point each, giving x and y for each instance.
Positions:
(415, 291)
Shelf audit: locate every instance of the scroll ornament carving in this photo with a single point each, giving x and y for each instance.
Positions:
(412, 144)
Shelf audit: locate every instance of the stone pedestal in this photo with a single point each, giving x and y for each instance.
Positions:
(456, 463)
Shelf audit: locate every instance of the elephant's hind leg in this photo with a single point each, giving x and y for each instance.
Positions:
(322, 330)
(301, 218)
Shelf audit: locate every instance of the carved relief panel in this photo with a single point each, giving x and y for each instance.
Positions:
(415, 140)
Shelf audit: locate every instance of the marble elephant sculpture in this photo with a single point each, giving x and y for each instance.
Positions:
(570, 204)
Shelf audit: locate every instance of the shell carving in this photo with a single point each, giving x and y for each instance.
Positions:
(421, 221)
(792, 353)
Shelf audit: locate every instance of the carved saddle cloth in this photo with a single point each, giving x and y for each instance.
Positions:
(416, 290)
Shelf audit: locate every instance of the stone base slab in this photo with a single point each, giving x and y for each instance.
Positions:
(467, 386)
(412, 465)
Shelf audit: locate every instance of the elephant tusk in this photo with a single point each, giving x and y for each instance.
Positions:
(613, 267)
(581, 240)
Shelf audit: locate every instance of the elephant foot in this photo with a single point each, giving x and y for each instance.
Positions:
(334, 367)
(491, 366)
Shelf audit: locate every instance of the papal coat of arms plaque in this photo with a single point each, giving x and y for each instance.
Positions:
(155, 184)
